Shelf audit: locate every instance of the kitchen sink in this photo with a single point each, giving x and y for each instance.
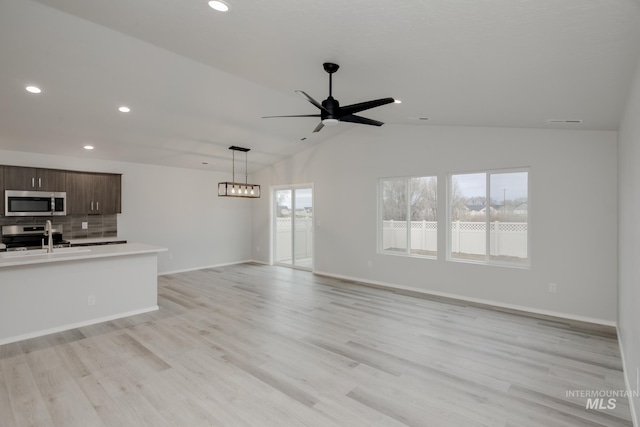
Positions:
(35, 252)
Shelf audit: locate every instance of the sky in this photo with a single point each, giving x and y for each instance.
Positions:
(304, 198)
(515, 184)
(471, 185)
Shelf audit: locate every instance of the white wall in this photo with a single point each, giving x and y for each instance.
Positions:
(629, 236)
(572, 205)
(170, 207)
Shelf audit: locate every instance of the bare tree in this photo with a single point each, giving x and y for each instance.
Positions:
(424, 198)
(457, 202)
(282, 199)
(394, 200)
(420, 193)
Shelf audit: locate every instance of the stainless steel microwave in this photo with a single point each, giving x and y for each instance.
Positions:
(34, 203)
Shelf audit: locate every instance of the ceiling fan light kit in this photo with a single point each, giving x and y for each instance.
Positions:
(219, 5)
(238, 189)
(331, 113)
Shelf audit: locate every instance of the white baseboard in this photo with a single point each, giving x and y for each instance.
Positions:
(521, 308)
(630, 391)
(76, 325)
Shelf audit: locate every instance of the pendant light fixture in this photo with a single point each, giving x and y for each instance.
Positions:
(237, 189)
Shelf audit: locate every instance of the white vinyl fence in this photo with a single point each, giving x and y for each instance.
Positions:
(304, 238)
(424, 235)
(507, 238)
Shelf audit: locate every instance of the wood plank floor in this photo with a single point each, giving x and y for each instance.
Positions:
(254, 345)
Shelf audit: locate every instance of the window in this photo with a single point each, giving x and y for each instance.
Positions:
(408, 213)
(488, 214)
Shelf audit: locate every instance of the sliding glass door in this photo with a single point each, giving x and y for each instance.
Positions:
(293, 227)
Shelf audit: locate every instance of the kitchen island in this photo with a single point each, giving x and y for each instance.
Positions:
(43, 293)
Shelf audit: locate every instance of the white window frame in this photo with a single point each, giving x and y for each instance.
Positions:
(488, 260)
(380, 221)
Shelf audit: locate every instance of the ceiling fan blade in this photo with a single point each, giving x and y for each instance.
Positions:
(320, 126)
(297, 115)
(351, 118)
(311, 100)
(356, 108)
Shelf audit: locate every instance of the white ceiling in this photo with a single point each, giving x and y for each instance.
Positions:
(199, 81)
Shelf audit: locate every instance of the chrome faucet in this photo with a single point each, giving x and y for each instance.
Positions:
(48, 231)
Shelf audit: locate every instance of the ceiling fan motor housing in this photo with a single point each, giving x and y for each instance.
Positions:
(332, 107)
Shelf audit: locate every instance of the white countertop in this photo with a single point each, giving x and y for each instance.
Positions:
(83, 253)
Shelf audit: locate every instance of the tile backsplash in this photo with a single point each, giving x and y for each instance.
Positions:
(98, 225)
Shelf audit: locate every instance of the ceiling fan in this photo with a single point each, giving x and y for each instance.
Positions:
(330, 110)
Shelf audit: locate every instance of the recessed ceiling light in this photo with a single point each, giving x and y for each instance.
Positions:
(219, 5)
(88, 147)
(124, 109)
(33, 89)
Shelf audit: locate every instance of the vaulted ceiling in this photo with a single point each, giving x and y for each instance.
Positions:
(198, 81)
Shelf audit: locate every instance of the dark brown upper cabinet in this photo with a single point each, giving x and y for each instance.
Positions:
(35, 179)
(93, 193)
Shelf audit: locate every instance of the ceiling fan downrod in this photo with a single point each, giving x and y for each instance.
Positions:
(330, 68)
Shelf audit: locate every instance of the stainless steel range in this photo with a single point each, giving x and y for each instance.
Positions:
(25, 237)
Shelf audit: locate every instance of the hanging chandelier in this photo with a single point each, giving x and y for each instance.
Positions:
(238, 189)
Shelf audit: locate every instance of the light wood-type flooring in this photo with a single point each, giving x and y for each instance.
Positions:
(256, 345)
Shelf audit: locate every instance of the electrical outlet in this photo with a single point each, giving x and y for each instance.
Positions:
(91, 300)
(553, 288)
(85, 225)
(369, 264)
